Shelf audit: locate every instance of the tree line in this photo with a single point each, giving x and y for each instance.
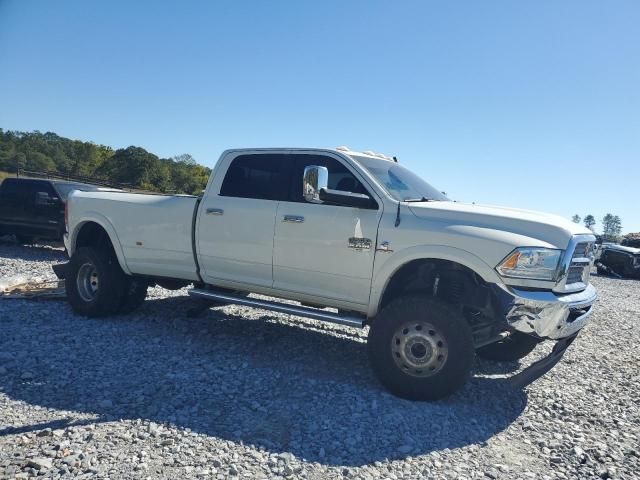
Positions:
(132, 166)
(611, 226)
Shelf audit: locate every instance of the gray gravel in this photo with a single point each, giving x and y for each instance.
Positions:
(240, 393)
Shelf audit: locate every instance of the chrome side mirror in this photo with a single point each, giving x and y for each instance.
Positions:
(315, 178)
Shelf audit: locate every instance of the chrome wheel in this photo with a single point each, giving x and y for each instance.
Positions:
(87, 282)
(419, 349)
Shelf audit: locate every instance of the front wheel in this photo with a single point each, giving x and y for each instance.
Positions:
(421, 348)
(95, 283)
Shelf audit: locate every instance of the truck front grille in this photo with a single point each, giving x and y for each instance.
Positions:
(576, 272)
(582, 250)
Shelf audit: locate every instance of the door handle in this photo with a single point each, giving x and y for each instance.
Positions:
(215, 211)
(293, 218)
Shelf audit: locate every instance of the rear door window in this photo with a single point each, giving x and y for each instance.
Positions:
(34, 186)
(260, 176)
(24, 191)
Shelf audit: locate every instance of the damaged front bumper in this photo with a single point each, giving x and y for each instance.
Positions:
(546, 314)
(539, 368)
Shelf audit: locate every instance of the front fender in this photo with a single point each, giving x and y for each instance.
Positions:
(104, 222)
(387, 266)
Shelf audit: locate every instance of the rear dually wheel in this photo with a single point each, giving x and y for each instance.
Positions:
(95, 283)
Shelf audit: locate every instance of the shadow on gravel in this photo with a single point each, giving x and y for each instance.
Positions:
(285, 387)
(45, 252)
(53, 425)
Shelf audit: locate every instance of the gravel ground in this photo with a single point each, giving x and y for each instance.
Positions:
(242, 393)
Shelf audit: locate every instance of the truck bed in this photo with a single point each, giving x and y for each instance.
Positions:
(154, 231)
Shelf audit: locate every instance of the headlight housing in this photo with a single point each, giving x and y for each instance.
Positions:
(531, 263)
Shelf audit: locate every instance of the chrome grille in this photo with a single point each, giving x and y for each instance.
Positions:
(582, 250)
(576, 271)
(576, 265)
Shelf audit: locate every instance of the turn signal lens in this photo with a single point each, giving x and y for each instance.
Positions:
(511, 261)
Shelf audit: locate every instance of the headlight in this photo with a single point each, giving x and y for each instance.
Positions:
(532, 263)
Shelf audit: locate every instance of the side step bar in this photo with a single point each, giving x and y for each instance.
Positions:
(316, 314)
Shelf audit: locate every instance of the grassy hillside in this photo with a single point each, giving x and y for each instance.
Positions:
(132, 166)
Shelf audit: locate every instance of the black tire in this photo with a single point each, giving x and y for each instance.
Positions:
(601, 271)
(110, 282)
(134, 295)
(439, 331)
(514, 347)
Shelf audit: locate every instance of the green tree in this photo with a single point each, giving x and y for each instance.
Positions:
(39, 162)
(19, 161)
(133, 166)
(611, 227)
(184, 158)
(576, 218)
(130, 166)
(589, 222)
(161, 176)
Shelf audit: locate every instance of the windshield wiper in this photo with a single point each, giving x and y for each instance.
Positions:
(421, 199)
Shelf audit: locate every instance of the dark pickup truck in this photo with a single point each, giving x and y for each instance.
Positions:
(33, 208)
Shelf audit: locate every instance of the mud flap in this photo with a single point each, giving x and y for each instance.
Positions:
(539, 368)
(60, 269)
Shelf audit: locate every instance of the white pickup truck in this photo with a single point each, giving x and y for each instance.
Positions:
(352, 238)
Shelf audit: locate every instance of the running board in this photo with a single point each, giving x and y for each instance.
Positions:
(316, 314)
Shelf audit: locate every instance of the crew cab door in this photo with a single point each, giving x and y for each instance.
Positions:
(44, 209)
(236, 220)
(320, 250)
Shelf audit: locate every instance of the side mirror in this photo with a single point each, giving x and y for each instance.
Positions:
(43, 198)
(314, 179)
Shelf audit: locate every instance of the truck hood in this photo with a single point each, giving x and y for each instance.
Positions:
(550, 229)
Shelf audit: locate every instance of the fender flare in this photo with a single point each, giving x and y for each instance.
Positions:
(97, 218)
(391, 265)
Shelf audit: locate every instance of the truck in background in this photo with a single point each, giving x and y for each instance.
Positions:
(33, 208)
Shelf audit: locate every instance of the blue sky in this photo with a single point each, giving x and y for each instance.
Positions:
(529, 104)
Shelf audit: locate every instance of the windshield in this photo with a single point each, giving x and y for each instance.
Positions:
(400, 182)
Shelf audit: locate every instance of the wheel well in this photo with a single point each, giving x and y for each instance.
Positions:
(94, 235)
(452, 283)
